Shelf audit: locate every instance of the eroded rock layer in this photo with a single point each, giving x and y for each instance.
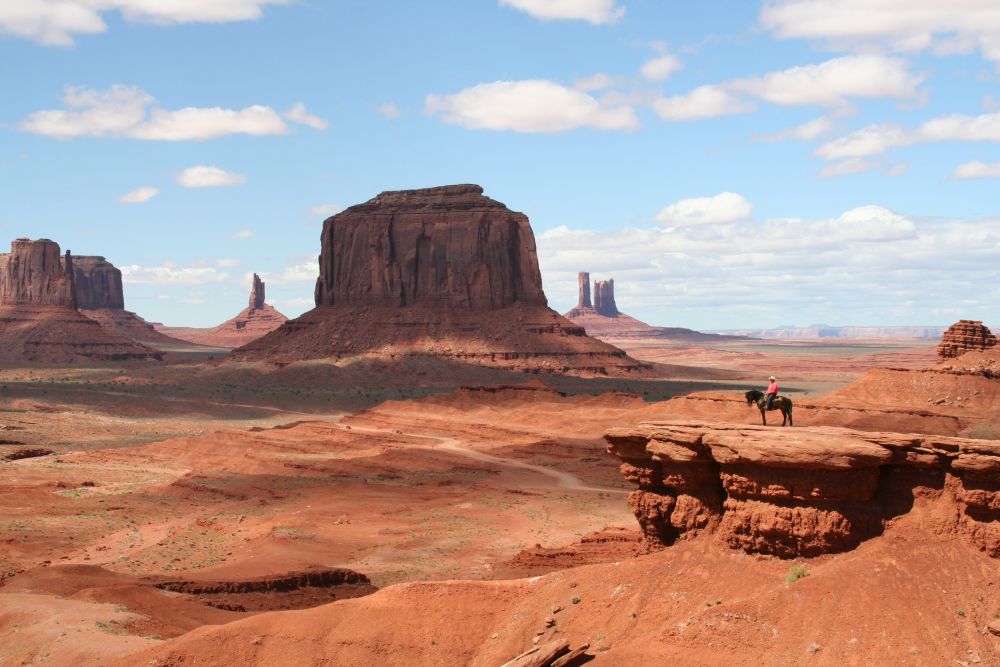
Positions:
(801, 492)
(965, 336)
(34, 273)
(97, 283)
(441, 273)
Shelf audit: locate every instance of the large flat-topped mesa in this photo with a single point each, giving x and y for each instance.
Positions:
(438, 273)
(34, 273)
(445, 245)
(97, 283)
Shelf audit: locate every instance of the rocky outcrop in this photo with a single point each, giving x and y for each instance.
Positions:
(604, 298)
(804, 492)
(254, 321)
(584, 290)
(39, 321)
(437, 246)
(442, 273)
(256, 293)
(965, 336)
(97, 283)
(35, 274)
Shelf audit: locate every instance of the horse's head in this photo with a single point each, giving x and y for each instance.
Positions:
(751, 399)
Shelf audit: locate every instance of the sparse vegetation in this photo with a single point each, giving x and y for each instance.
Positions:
(795, 573)
(575, 599)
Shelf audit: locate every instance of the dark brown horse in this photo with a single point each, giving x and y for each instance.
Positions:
(782, 403)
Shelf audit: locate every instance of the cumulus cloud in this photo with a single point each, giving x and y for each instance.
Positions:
(976, 169)
(126, 111)
(389, 110)
(599, 81)
(851, 166)
(167, 274)
(243, 234)
(528, 106)
(595, 12)
(298, 114)
(943, 28)
(708, 101)
(56, 22)
(661, 67)
(227, 263)
(325, 210)
(139, 195)
(722, 208)
(878, 138)
(805, 132)
(299, 270)
(202, 176)
(832, 83)
(864, 264)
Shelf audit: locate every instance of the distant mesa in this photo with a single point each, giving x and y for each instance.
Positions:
(254, 321)
(436, 273)
(603, 319)
(826, 331)
(965, 336)
(39, 320)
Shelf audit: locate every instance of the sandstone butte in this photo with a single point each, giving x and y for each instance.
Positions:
(965, 336)
(39, 320)
(803, 492)
(254, 321)
(439, 273)
(600, 317)
(97, 285)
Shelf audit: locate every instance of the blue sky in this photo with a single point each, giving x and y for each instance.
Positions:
(730, 164)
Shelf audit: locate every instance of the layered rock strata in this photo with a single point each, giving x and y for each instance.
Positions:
(97, 283)
(965, 336)
(801, 492)
(443, 273)
(604, 298)
(39, 320)
(254, 321)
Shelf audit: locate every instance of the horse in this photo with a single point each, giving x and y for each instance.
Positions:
(782, 403)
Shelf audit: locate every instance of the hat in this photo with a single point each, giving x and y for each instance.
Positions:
(772, 378)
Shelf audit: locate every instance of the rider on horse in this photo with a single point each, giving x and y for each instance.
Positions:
(771, 393)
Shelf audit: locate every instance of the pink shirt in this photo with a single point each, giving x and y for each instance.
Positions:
(772, 388)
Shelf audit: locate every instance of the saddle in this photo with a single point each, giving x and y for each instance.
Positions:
(762, 403)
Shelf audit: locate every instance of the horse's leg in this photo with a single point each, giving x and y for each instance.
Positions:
(784, 416)
(763, 419)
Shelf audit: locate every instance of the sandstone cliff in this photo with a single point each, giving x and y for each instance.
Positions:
(965, 336)
(97, 283)
(39, 320)
(802, 492)
(443, 273)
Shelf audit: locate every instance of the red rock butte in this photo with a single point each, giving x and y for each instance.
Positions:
(39, 320)
(254, 321)
(443, 273)
(965, 336)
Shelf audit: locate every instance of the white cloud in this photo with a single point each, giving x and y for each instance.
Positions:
(851, 166)
(599, 81)
(528, 106)
(703, 102)
(976, 169)
(243, 234)
(227, 263)
(298, 114)
(302, 270)
(661, 67)
(805, 132)
(325, 210)
(595, 12)
(722, 208)
(833, 82)
(897, 169)
(876, 139)
(125, 111)
(202, 176)
(944, 28)
(56, 22)
(139, 195)
(389, 110)
(167, 274)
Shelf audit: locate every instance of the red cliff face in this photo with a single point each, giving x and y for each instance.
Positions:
(35, 274)
(604, 298)
(442, 273)
(257, 293)
(965, 336)
(97, 283)
(446, 245)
